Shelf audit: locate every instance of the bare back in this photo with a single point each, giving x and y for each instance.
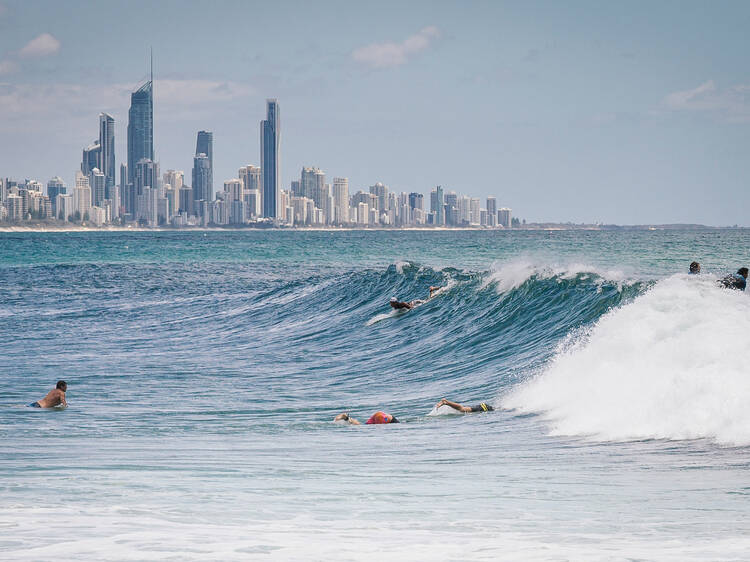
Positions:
(54, 397)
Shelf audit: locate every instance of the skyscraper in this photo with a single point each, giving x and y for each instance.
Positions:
(55, 187)
(491, 205)
(270, 136)
(205, 145)
(341, 200)
(202, 190)
(97, 183)
(91, 156)
(140, 128)
(436, 205)
(107, 155)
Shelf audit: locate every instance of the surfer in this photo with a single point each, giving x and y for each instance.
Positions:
(377, 418)
(695, 268)
(55, 397)
(736, 280)
(481, 407)
(398, 305)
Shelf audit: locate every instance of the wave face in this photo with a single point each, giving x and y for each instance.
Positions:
(204, 370)
(670, 365)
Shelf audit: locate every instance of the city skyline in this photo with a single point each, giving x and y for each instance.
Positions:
(617, 114)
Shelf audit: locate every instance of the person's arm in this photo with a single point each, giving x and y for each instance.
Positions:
(454, 405)
(433, 290)
(345, 418)
(64, 402)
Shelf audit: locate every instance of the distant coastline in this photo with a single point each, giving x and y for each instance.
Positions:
(42, 227)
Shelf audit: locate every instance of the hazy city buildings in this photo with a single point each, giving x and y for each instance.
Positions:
(255, 197)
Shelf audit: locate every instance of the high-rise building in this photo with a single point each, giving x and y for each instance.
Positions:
(270, 136)
(341, 200)
(475, 215)
(416, 201)
(145, 189)
(140, 128)
(55, 187)
(312, 185)
(491, 206)
(504, 217)
(205, 145)
(107, 155)
(381, 192)
(91, 157)
(82, 196)
(437, 203)
(175, 178)
(97, 182)
(251, 185)
(202, 190)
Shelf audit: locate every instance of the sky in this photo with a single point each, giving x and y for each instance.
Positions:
(616, 112)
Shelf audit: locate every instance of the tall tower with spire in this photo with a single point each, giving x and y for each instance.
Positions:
(141, 124)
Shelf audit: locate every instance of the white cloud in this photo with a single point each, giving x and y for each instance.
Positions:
(7, 66)
(731, 103)
(41, 46)
(384, 55)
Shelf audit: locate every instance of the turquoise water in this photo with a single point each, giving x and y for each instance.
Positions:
(204, 369)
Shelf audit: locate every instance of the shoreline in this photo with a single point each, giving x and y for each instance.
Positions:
(528, 227)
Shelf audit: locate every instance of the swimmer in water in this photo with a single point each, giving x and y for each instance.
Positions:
(376, 419)
(481, 407)
(695, 268)
(398, 305)
(736, 281)
(55, 397)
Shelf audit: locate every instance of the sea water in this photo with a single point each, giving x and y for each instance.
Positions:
(204, 369)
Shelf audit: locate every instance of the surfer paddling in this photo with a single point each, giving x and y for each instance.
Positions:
(481, 407)
(55, 397)
(408, 305)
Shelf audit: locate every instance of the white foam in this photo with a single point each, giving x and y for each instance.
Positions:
(511, 275)
(672, 365)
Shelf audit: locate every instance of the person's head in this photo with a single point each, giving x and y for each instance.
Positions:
(695, 267)
(62, 385)
(742, 271)
(380, 418)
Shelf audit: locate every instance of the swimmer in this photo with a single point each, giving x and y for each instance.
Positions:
(695, 268)
(398, 305)
(55, 397)
(376, 419)
(736, 280)
(481, 407)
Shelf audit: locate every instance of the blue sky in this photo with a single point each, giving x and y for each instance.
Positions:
(632, 112)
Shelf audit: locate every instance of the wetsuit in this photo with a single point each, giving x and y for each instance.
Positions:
(734, 281)
(482, 408)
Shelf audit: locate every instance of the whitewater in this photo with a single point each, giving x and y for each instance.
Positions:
(204, 370)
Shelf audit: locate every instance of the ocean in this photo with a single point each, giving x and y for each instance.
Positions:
(204, 370)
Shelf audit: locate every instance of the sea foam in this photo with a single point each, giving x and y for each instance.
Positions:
(672, 364)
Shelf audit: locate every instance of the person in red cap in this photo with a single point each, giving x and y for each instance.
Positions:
(376, 418)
